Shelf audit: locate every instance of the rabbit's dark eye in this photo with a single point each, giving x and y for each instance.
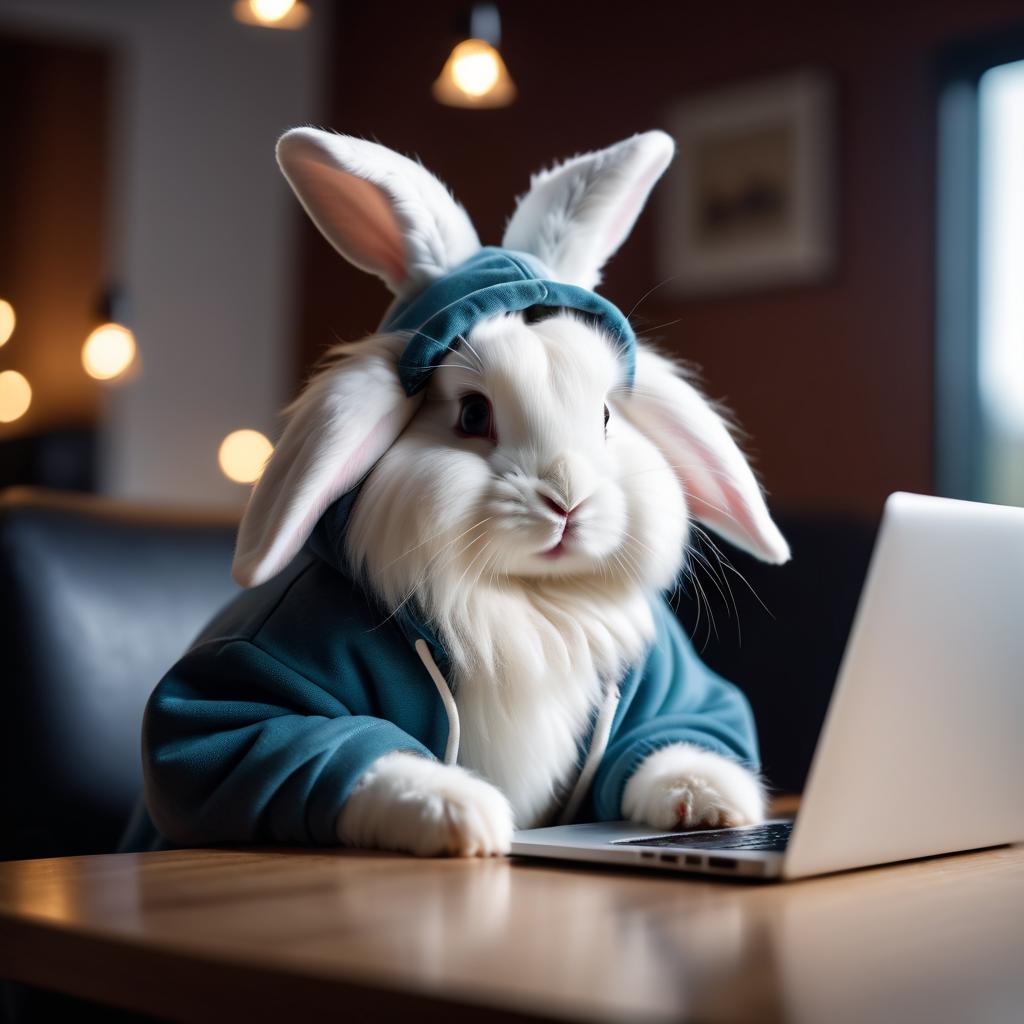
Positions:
(607, 415)
(475, 417)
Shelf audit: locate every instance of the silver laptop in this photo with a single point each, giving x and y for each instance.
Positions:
(922, 750)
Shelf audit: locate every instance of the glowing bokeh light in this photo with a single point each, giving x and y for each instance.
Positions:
(475, 67)
(289, 14)
(243, 454)
(474, 76)
(7, 321)
(269, 11)
(108, 351)
(15, 396)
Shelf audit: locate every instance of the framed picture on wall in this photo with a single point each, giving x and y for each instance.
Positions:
(749, 199)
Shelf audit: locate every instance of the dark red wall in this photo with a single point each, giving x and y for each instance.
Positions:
(832, 382)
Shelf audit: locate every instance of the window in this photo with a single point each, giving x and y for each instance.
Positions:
(979, 425)
(1001, 280)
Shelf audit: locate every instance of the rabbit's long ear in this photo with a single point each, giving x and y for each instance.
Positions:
(720, 487)
(380, 210)
(347, 418)
(577, 214)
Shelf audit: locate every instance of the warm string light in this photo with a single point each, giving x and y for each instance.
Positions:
(108, 351)
(15, 396)
(243, 454)
(15, 390)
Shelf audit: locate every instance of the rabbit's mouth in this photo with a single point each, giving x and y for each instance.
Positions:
(541, 530)
(557, 551)
(561, 546)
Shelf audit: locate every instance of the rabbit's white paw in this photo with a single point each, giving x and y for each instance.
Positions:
(682, 786)
(410, 803)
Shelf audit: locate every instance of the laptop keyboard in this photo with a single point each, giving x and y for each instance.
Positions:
(773, 836)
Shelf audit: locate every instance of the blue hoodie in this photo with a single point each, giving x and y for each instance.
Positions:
(260, 731)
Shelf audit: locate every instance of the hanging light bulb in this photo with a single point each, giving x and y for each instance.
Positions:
(7, 321)
(271, 13)
(474, 74)
(271, 10)
(110, 349)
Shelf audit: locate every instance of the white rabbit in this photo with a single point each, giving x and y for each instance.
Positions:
(531, 501)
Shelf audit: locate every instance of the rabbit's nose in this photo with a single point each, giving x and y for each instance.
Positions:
(556, 506)
(569, 480)
(560, 510)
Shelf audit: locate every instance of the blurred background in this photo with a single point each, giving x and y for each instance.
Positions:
(838, 246)
(137, 185)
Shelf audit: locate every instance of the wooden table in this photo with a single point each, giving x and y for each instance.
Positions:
(283, 935)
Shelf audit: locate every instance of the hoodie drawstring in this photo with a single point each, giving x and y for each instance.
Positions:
(451, 750)
(598, 745)
(598, 741)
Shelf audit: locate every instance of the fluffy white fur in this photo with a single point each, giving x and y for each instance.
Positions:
(682, 786)
(531, 638)
(339, 427)
(538, 612)
(577, 214)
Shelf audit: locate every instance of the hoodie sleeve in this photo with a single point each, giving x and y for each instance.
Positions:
(673, 698)
(239, 747)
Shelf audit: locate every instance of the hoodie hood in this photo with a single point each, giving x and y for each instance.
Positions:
(327, 542)
(490, 282)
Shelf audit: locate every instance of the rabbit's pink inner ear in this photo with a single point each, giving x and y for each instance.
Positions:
(629, 208)
(723, 493)
(721, 490)
(355, 215)
(712, 496)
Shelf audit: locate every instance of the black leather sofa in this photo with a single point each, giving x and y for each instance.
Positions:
(98, 599)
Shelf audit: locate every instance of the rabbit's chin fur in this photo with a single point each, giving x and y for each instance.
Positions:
(459, 526)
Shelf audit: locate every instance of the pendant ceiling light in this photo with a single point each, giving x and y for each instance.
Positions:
(474, 75)
(271, 13)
